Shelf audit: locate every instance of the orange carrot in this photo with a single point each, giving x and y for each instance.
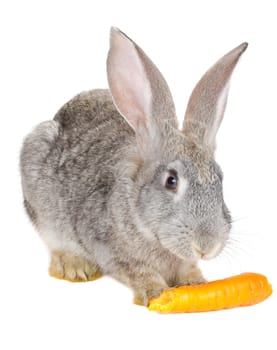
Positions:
(241, 290)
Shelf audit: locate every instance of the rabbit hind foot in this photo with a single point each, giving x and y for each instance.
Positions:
(73, 268)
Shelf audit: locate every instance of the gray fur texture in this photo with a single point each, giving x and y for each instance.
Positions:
(95, 179)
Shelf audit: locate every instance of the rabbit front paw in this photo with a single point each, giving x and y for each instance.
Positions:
(190, 276)
(143, 297)
(148, 291)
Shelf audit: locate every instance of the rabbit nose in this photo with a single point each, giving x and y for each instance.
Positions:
(207, 253)
(198, 252)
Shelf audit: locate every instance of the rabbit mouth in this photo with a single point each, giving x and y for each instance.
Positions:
(205, 254)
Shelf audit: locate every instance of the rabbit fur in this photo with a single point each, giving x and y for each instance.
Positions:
(115, 188)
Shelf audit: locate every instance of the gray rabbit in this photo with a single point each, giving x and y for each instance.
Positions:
(115, 188)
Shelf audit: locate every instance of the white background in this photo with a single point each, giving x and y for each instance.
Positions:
(50, 51)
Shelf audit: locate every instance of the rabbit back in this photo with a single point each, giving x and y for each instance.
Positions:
(68, 169)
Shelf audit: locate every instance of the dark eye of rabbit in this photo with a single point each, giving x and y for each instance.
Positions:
(172, 182)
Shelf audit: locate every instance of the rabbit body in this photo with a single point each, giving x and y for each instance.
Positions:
(115, 191)
(79, 180)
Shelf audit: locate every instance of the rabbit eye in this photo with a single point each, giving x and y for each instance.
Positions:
(172, 182)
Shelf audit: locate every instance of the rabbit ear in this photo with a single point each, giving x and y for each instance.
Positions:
(139, 91)
(208, 100)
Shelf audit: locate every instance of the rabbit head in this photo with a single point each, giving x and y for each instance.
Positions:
(178, 192)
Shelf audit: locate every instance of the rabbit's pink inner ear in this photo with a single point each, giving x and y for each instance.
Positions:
(128, 82)
(219, 113)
